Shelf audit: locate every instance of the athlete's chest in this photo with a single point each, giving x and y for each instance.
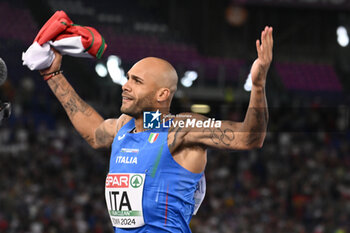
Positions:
(137, 152)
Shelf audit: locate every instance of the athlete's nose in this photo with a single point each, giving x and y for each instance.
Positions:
(126, 86)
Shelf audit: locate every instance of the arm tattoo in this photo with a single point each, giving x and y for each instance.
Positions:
(89, 139)
(260, 118)
(173, 143)
(59, 88)
(75, 104)
(120, 126)
(71, 102)
(219, 136)
(102, 137)
(55, 84)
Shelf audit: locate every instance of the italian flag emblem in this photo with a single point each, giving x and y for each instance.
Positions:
(153, 137)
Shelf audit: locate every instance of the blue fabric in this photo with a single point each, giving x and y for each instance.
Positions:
(168, 201)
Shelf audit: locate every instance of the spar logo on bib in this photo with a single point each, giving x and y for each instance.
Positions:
(117, 181)
(136, 181)
(123, 181)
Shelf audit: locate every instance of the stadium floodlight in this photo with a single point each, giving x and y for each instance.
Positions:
(101, 70)
(200, 108)
(188, 78)
(248, 83)
(342, 36)
(116, 73)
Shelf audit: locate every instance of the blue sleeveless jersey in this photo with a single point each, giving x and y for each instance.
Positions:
(168, 194)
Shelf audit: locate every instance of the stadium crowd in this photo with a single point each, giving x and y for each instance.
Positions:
(52, 182)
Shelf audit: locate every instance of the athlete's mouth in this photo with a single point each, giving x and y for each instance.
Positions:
(126, 98)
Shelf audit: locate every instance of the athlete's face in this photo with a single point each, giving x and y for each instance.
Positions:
(139, 92)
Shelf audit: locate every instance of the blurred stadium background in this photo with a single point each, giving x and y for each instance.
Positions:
(52, 182)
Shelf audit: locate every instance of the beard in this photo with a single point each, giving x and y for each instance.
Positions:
(137, 107)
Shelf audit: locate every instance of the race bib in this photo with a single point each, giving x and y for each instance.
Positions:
(124, 193)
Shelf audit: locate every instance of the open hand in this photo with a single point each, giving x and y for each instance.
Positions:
(262, 63)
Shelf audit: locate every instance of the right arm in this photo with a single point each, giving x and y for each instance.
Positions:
(90, 125)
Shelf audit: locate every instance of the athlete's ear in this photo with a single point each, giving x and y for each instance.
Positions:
(163, 94)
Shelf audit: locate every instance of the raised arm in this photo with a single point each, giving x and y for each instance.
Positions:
(90, 125)
(239, 135)
(255, 122)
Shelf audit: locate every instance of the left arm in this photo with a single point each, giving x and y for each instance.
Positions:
(255, 122)
(251, 132)
(257, 115)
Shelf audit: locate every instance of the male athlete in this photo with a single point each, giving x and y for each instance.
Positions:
(154, 173)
